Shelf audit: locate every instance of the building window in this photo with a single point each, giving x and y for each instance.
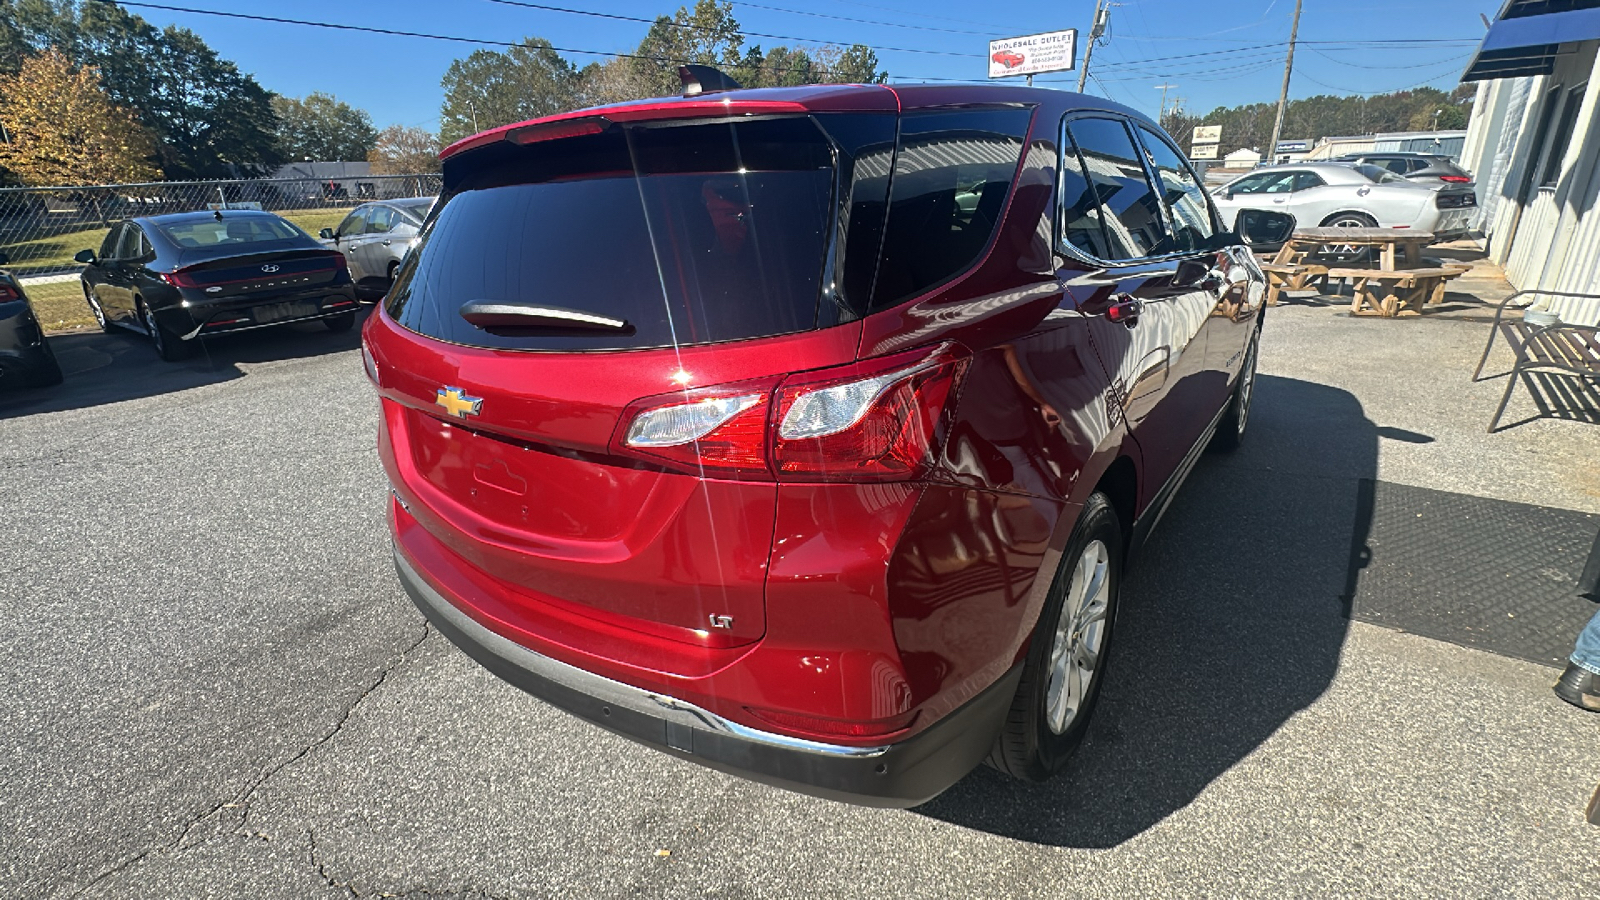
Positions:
(1551, 171)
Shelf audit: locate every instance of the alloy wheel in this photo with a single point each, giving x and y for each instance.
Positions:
(1246, 387)
(154, 329)
(1079, 639)
(1346, 251)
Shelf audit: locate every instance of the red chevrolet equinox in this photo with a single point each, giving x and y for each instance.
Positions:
(804, 433)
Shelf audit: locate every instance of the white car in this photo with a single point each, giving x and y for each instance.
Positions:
(1344, 195)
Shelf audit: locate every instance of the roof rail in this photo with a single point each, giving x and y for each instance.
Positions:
(705, 80)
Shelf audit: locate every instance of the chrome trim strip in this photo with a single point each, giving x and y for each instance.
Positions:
(659, 706)
(321, 315)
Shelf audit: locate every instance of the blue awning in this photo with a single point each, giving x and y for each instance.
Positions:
(1524, 41)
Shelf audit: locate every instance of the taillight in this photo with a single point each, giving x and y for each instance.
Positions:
(871, 425)
(725, 434)
(8, 293)
(179, 278)
(1455, 179)
(875, 421)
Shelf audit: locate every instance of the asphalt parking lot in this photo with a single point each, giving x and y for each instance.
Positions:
(214, 687)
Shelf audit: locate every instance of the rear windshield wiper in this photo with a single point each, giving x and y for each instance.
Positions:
(489, 314)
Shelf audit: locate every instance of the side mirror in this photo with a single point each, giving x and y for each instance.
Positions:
(1263, 226)
(326, 234)
(4, 258)
(1227, 194)
(86, 257)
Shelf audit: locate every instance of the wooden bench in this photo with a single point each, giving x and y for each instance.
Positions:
(1396, 292)
(1291, 277)
(1572, 349)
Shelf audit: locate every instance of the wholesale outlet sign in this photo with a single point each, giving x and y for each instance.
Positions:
(1053, 51)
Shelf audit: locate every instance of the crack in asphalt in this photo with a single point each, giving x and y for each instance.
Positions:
(244, 797)
(419, 893)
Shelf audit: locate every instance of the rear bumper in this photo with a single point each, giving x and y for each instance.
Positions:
(901, 774)
(203, 318)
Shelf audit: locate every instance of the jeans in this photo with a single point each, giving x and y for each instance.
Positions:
(1586, 655)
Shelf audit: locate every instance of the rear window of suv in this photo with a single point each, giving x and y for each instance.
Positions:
(691, 233)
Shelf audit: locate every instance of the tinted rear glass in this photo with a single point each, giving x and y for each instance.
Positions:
(690, 233)
(230, 232)
(951, 178)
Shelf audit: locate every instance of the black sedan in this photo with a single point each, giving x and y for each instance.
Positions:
(26, 359)
(186, 276)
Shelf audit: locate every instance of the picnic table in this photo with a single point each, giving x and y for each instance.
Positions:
(1400, 284)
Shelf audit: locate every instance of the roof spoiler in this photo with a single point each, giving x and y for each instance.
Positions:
(699, 80)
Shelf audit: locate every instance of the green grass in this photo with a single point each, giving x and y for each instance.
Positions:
(314, 220)
(56, 250)
(60, 306)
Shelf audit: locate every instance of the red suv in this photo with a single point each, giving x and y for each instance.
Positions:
(804, 433)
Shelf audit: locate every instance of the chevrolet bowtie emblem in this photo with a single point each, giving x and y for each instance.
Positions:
(458, 403)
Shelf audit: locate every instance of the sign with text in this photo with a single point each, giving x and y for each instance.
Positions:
(1203, 151)
(1054, 51)
(1293, 146)
(1208, 134)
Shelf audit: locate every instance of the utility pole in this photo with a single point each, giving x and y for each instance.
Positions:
(1102, 12)
(1283, 98)
(1163, 88)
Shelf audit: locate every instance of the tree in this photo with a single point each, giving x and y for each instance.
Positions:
(490, 89)
(708, 35)
(322, 127)
(210, 119)
(403, 150)
(64, 129)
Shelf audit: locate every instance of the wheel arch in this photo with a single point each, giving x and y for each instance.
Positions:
(1344, 212)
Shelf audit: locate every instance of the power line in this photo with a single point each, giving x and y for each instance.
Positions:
(485, 42)
(1442, 74)
(817, 15)
(684, 25)
(1429, 64)
(905, 12)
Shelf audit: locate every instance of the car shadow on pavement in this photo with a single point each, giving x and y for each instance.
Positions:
(108, 368)
(1232, 621)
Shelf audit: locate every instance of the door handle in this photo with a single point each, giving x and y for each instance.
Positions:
(387, 243)
(1125, 310)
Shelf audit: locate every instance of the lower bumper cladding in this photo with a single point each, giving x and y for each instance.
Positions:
(901, 774)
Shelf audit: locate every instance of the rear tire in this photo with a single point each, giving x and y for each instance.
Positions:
(1230, 430)
(169, 346)
(341, 322)
(1066, 662)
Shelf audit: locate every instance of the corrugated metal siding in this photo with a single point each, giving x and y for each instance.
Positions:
(1531, 249)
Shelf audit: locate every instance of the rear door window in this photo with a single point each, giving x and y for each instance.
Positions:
(108, 247)
(379, 220)
(952, 174)
(128, 247)
(687, 233)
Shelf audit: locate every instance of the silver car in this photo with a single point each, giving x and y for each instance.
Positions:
(1344, 195)
(375, 237)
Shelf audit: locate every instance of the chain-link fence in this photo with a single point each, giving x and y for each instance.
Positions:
(41, 228)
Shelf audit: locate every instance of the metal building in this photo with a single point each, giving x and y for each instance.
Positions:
(1533, 143)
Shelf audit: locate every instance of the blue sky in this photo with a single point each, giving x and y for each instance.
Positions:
(396, 79)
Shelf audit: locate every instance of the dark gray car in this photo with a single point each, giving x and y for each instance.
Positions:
(1426, 168)
(375, 237)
